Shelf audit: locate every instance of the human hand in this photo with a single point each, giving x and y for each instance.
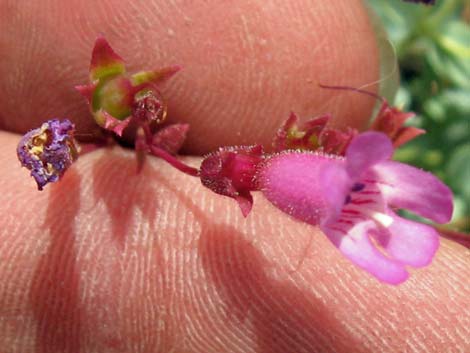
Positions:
(110, 261)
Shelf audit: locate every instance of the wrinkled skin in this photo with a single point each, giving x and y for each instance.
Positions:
(111, 261)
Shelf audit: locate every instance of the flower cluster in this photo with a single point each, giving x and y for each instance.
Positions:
(343, 182)
(346, 184)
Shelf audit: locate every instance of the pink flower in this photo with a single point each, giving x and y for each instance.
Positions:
(352, 200)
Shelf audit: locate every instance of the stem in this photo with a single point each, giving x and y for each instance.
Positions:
(353, 89)
(173, 161)
(461, 238)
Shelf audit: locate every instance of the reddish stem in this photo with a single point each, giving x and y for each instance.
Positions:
(461, 238)
(173, 161)
(347, 88)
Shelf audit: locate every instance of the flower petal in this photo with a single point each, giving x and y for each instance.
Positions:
(111, 123)
(155, 76)
(293, 182)
(245, 202)
(87, 91)
(104, 61)
(357, 246)
(406, 134)
(409, 242)
(336, 180)
(407, 187)
(365, 150)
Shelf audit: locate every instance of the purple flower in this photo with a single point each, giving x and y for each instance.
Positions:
(352, 200)
(48, 151)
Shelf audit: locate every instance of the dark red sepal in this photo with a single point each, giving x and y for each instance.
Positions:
(390, 121)
(231, 171)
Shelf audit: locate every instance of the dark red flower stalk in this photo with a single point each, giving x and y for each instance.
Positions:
(459, 237)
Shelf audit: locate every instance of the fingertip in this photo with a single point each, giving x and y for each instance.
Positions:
(246, 65)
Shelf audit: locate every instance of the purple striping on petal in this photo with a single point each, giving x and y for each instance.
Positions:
(358, 187)
(48, 151)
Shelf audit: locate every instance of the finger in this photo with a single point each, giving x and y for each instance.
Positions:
(111, 261)
(247, 64)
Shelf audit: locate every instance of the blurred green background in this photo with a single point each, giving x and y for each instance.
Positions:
(432, 46)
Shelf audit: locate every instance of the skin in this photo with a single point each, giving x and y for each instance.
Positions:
(110, 261)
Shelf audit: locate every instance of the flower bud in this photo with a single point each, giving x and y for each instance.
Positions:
(232, 172)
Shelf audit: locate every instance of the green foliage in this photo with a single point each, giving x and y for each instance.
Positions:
(432, 45)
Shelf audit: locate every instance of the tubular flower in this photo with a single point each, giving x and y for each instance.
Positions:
(113, 95)
(352, 199)
(48, 151)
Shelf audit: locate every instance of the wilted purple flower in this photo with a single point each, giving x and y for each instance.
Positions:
(352, 200)
(48, 151)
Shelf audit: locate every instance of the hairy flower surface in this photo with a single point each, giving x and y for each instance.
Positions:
(48, 151)
(353, 198)
(230, 171)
